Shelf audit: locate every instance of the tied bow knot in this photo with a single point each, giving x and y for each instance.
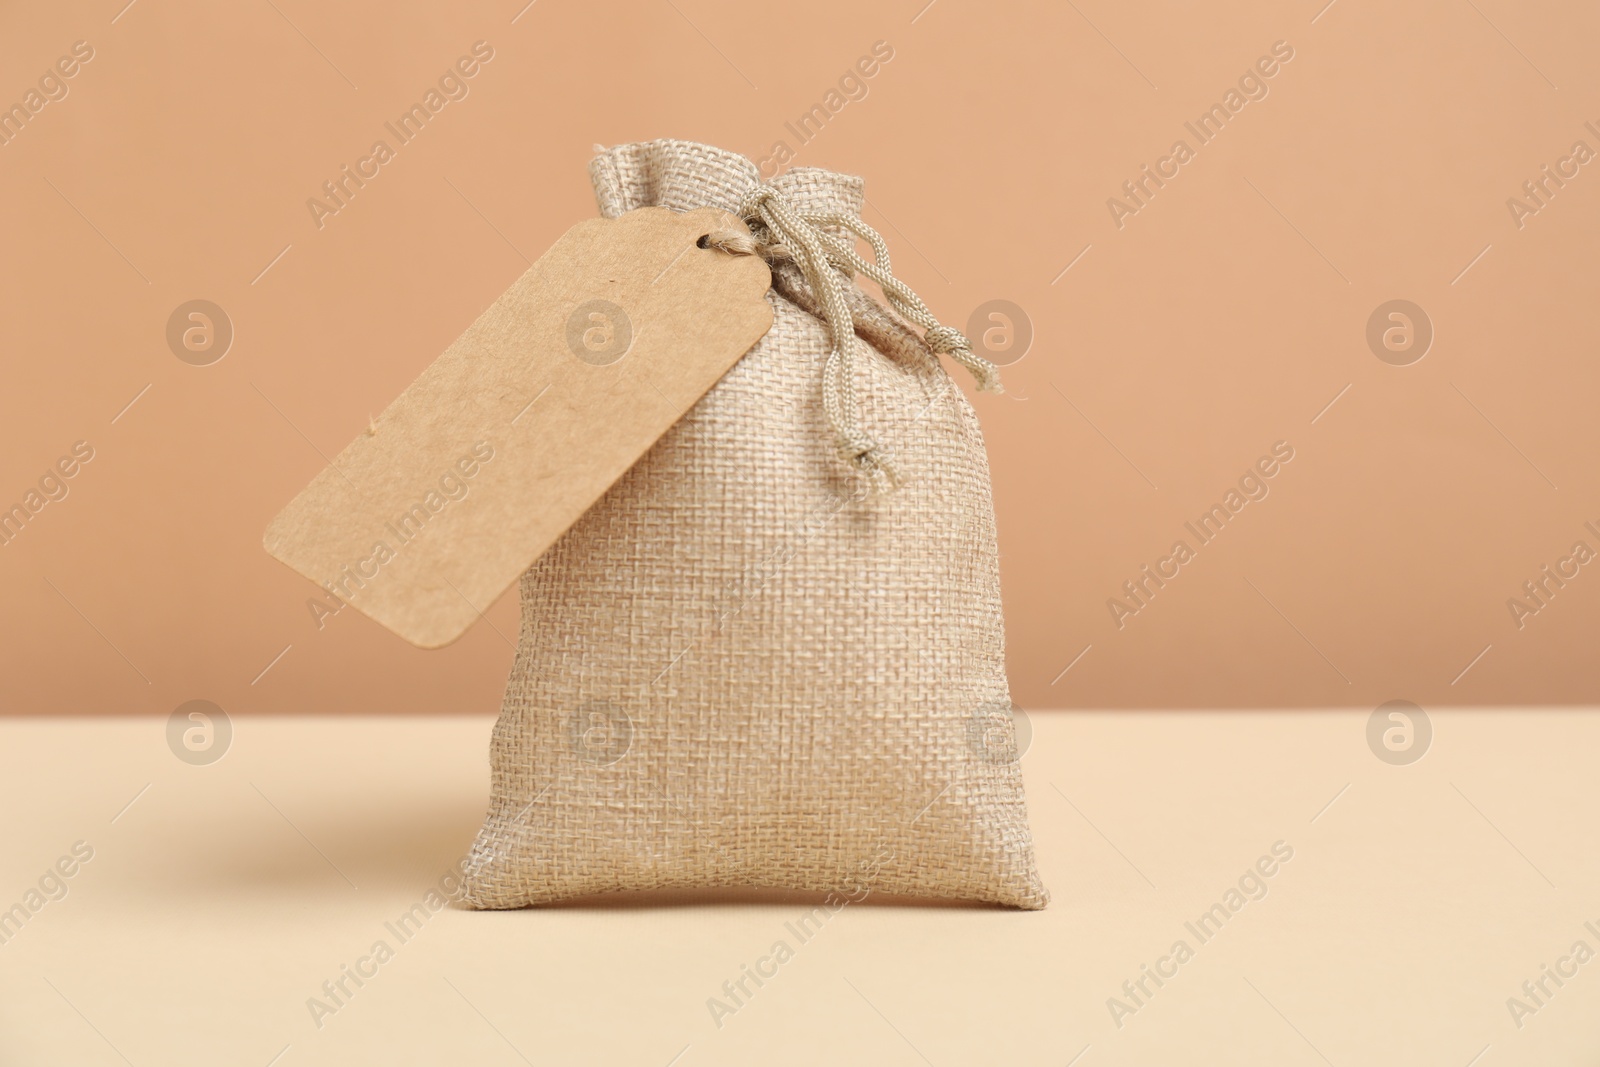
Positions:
(778, 232)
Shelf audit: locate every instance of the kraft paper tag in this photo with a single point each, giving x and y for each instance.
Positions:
(526, 420)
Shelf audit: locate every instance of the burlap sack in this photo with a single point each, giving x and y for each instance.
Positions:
(740, 668)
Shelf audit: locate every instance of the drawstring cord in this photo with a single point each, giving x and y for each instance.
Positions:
(779, 232)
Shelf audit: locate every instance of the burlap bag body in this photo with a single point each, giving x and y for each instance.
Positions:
(740, 668)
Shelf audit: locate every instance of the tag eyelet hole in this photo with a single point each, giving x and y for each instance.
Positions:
(704, 241)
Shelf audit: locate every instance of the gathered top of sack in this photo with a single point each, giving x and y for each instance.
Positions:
(804, 221)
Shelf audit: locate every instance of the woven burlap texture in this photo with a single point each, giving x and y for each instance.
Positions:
(740, 668)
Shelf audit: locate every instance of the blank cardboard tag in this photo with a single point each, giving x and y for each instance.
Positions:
(526, 420)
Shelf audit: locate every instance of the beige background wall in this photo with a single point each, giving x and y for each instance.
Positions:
(1169, 353)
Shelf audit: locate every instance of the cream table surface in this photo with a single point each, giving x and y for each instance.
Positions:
(219, 899)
